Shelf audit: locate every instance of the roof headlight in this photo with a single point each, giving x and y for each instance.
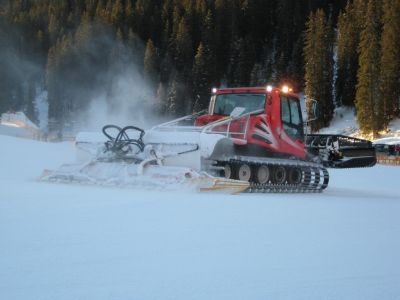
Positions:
(285, 89)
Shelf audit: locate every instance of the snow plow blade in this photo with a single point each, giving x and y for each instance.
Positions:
(155, 177)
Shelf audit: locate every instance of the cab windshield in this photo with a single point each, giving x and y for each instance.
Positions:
(226, 103)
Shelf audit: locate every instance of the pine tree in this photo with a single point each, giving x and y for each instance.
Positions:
(232, 76)
(183, 62)
(117, 14)
(56, 73)
(30, 109)
(101, 10)
(90, 7)
(348, 37)
(150, 63)
(6, 84)
(118, 56)
(209, 43)
(390, 60)
(167, 21)
(198, 15)
(147, 20)
(223, 35)
(50, 81)
(166, 68)
(129, 14)
(135, 46)
(295, 68)
(311, 67)
(161, 99)
(368, 104)
(242, 59)
(172, 95)
(200, 80)
(183, 46)
(318, 56)
(53, 27)
(290, 24)
(84, 31)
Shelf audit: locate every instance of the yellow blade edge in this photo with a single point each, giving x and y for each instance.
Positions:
(226, 186)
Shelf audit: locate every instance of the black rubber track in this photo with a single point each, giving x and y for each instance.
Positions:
(314, 179)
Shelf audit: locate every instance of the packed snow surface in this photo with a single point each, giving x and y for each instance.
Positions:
(61, 241)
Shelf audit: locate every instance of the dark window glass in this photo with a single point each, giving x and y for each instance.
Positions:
(226, 103)
(295, 112)
(285, 110)
(291, 117)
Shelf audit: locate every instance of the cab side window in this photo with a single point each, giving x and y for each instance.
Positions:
(285, 110)
(291, 118)
(295, 112)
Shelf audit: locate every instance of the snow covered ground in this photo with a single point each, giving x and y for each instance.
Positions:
(83, 242)
(344, 122)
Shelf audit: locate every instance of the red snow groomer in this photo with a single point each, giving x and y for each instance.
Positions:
(251, 139)
(268, 145)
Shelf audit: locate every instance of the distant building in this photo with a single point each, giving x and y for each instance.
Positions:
(18, 124)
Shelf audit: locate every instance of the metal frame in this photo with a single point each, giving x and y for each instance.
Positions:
(174, 125)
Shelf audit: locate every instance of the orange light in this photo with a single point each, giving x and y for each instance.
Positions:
(285, 89)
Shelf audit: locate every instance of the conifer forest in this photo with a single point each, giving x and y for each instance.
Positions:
(335, 51)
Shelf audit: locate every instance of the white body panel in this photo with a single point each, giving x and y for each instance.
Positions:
(182, 148)
(174, 147)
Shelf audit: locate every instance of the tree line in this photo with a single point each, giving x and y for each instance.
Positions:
(366, 73)
(183, 48)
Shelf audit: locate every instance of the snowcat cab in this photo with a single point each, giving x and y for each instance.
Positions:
(275, 126)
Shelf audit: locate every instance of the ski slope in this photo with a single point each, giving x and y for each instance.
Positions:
(62, 241)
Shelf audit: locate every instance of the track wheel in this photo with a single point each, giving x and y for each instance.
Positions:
(228, 171)
(263, 174)
(307, 177)
(244, 172)
(279, 175)
(294, 176)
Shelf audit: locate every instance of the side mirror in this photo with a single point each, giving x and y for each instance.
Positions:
(236, 112)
